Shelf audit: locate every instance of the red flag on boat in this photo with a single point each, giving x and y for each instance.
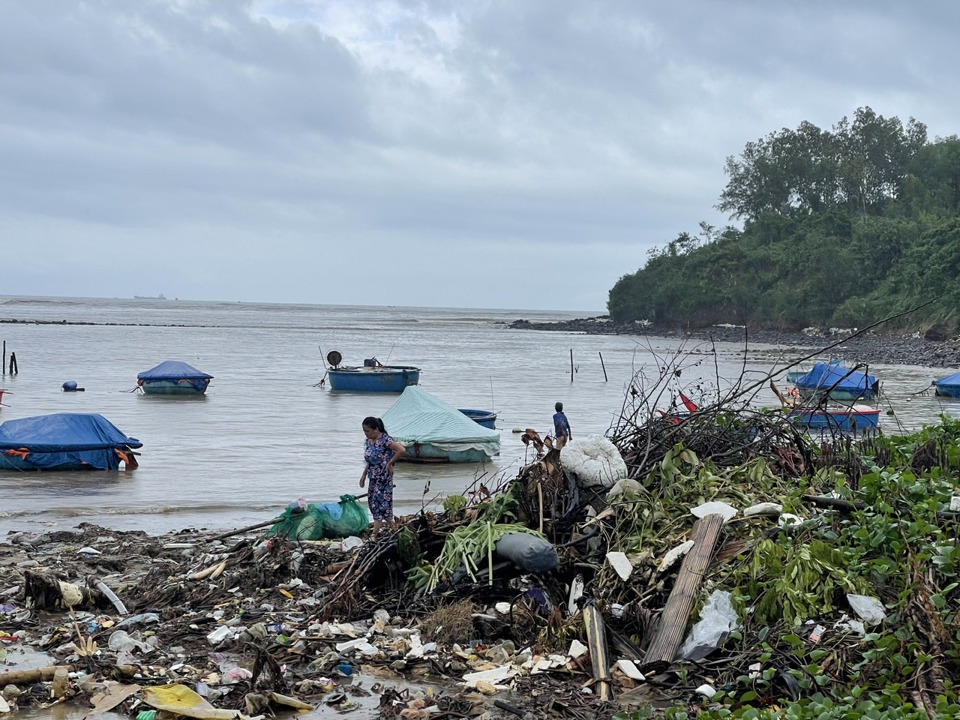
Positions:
(687, 402)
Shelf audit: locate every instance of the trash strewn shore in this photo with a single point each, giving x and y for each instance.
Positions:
(715, 562)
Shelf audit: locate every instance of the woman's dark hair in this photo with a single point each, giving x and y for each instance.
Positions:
(374, 423)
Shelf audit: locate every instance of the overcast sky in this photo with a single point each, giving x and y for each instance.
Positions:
(508, 154)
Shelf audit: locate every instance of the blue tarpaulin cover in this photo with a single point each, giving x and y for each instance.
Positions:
(826, 376)
(175, 371)
(949, 380)
(65, 439)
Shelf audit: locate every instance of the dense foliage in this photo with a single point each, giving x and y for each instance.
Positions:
(799, 650)
(841, 227)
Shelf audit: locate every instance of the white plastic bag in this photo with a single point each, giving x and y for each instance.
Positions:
(716, 619)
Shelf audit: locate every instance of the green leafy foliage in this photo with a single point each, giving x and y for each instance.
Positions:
(842, 227)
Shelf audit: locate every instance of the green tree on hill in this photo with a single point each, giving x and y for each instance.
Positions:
(845, 226)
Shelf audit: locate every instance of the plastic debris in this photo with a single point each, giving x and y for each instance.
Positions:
(869, 609)
(716, 620)
(619, 562)
(715, 507)
(675, 554)
(764, 508)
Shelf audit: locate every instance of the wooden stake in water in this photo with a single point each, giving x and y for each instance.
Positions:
(571, 364)
(603, 366)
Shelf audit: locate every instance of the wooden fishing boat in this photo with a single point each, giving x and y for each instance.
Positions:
(372, 376)
(855, 418)
(430, 430)
(173, 377)
(65, 441)
(487, 418)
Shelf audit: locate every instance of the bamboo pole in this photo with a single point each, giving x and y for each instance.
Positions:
(29, 677)
(597, 642)
(673, 620)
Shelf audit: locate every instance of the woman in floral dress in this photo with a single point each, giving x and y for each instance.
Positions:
(380, 453)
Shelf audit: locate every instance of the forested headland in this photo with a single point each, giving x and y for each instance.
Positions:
(841, 227)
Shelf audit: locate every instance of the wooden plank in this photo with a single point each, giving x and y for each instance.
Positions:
(673, 619)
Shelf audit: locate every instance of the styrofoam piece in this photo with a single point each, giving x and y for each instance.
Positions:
(715, 508)
(628, 668)
(675, 554)
(619, 562)
(764, 508)
(577, 649)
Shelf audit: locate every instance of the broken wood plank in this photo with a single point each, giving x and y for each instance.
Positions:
(676, 613)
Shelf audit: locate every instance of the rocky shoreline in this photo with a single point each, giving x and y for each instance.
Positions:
(873, 347)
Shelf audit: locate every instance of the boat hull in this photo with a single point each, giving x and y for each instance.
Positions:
(106, 460)
(172, 387)
(65, 441)
(837, 395)
(944, 390)
(429, 453)
(854, 418)
(486, 418)
(383, 379)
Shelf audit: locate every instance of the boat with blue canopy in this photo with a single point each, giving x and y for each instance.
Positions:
(487, 418)
(173, 377)
(432, 431)
(65, 441)
(372, 376)
(948, 386)
(838, 382)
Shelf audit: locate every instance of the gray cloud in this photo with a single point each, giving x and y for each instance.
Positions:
(402, 152)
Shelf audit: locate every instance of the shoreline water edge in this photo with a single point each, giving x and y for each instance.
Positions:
(931, 350)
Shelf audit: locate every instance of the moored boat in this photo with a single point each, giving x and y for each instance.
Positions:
(836, 417)
(487, 418)
(372, 376)
(65, 441)
(432, 431)
(838, 383)
(173, 377)
(948, 386)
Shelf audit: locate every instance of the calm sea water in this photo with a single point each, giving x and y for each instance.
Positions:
(266, 434)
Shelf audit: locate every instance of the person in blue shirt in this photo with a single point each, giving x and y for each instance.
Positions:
(561, 426)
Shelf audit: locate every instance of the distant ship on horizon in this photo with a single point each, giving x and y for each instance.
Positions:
(161, 296)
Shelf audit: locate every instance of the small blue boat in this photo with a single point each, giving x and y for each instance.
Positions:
(65, 441)
(371, 377)
(838, 382)
(486, 418)
(948, 386)
(173, 377)
(854, 418)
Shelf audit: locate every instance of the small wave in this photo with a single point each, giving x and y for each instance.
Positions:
(79, 511)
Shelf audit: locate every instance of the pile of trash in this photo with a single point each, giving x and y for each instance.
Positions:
(719, 562)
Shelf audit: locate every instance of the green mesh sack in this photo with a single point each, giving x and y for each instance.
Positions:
(353, 519)
(326, 520)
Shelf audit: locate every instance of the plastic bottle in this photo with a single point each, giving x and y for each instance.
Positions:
(61, 682)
